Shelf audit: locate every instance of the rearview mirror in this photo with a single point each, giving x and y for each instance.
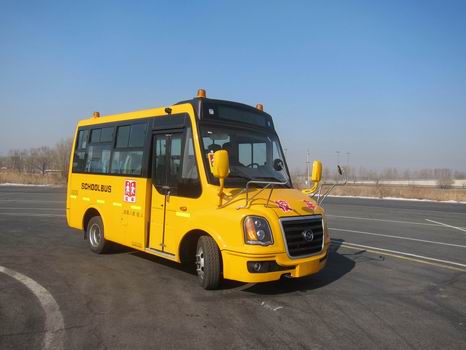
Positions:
(278, 164)
(316, 176)
(316, 171)
(220, 168)
(219, 164)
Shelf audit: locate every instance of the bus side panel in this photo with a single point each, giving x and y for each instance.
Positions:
(69, 195)
(133, 194)
(77, 204)
(119, 200)
(94, 191)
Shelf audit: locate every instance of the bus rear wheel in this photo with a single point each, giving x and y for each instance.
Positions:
(208, 263)
(95, 235)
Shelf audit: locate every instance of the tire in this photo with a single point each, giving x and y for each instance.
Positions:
(208, 263)
(95, 235)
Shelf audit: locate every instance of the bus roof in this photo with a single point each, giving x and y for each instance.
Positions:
(195, 104)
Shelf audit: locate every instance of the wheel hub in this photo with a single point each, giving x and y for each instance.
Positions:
(95, 235)
(200, 262)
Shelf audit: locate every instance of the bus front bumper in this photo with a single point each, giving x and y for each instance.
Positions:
(264, 268)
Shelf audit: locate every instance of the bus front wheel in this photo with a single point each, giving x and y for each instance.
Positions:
(95, 235)
(208, 263)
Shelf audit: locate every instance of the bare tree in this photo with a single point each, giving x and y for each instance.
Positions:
(16, 160)
(3, 162)
(326, 173)
(61, 157)
(41, 158)
(459, 174)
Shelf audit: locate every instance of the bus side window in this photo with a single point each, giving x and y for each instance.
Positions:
(128, 154)
(189, 184)
(98, 159)
(175, 159)
(99, 151)
(159, 172)
(177, 169)
(79, 159)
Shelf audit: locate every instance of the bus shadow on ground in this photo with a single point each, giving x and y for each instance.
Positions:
(338, 265)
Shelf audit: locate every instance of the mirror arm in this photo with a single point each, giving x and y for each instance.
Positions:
(317, 193)
(311, 190)
(220, 191)
(325, 195)
(270, 195)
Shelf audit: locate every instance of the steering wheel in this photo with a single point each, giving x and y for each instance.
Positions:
(252, 165)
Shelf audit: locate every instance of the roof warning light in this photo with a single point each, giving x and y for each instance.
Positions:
(201, 93)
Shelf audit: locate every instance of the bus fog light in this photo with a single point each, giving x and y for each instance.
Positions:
(267, 266)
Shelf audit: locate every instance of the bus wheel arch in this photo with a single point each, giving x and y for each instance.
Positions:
(187, 250)
(196, 242)
(94, 231)
(88, 215)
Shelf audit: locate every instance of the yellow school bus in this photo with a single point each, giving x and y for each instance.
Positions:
(202, 182)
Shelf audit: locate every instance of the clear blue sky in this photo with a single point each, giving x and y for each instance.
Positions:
(385, 81)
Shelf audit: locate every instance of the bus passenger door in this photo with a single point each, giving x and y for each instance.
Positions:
(166, 160)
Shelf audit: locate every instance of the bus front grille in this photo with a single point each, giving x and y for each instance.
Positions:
(304, 236)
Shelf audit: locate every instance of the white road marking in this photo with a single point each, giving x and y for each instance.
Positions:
(446, 225)
(407, 258)
(270, 307)
(32, 214)
(54, 324)
(384, 220)
(398, 252)
(398, 237)
(10, 208)
(30, 201)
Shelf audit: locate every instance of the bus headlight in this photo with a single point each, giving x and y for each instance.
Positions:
(257, 231)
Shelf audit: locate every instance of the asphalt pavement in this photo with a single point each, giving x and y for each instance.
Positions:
(396, 279)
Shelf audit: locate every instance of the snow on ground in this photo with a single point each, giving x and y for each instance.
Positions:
(426, 183)
(26, 185)
(399, 199)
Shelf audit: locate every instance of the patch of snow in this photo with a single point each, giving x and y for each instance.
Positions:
(400, 199)
(425, 183)
(11, 184)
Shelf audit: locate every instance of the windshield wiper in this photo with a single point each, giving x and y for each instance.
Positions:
(257, 178)
(240, 176)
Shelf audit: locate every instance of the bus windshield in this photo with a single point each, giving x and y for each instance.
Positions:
(253, 155)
